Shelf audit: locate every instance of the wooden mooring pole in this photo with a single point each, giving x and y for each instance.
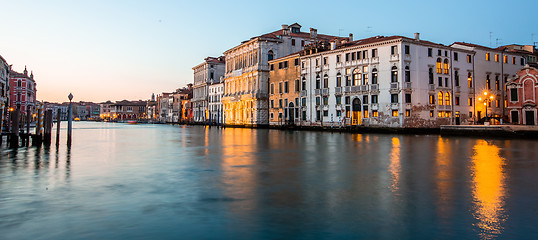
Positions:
(14, 136)
(47, 137)
(58, 120)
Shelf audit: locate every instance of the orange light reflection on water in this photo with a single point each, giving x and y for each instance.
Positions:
(395, 165)
(488, 189)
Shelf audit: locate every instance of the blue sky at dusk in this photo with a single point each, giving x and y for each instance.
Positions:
(114, 50)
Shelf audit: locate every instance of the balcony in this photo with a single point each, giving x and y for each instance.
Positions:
(407, 58)
(347, 89)
(394, 106)
(395, 57)
(338, 90)
(394, 86)
(364, 88)
(325, 91)
(303, 71)
(375, 106)
(457, 89)
(374, 60)
(303, 93)
(317, 91)
(408, 106)
(407, 85)
(431, 87)
(374, 87)
(355, 88)
(318, 69)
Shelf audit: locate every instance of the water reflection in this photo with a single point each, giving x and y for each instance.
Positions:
(488, 189)
(395, 165)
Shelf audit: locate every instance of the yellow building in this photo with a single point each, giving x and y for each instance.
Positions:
(284, 90)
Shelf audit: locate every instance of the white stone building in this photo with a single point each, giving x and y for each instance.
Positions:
(211, 71)
(4, 82)
(215, 93)
(393, 82)
(246, 79)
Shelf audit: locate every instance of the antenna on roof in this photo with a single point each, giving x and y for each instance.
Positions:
(340, 31)
(497, 41)
(490, 39)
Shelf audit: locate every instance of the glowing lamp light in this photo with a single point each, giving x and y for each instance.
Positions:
(485, 93)
(479, 99)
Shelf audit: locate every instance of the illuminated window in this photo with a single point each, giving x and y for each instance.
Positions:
(407, 113)
(394, 74)
(356, 77)
(374, 113)
(487, 57)
(366, 114)
(496, 57)
(440, 98)
(439, 67)
(505, 59)
(394, 113)
(488, 84)
(470, 80)
(497, 86)
(432, 99)
(440, 114)
(431, 113)
(447, 99)
(445, 66)
(470, 102)
(514, 60)
(496, 103)
(448, 114)
(469, 58)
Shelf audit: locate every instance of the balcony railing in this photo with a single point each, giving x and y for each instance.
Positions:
(338, 89)
(317, 91)
(347, 89)
(325, 91)
(393, 85)
(394, 57)
(303, 93)
(364, 88)
(407, 85)
(374, 87)
(431, 87)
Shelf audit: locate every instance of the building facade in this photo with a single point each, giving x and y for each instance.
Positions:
(246, 80)
(4, 82)
(22, 91)
(523, 97)
(211, 71)
(215, 93)
(284, 90)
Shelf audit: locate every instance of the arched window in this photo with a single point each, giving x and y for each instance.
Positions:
(430, 75)
(445, 66)
(394, 74)
(318, 82)
(374, 76)
(270, 55)
(325, 81)
(439, 69)
(338, 80)
(356, 77)
(447, 99)
(440, 98)
(407, 74)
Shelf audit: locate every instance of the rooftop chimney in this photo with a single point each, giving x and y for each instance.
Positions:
(284, 26)
(417, 36)
(313, 33)
(351, 37)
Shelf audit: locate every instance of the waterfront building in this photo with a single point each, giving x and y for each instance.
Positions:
(211, 71)
(246, 80)
(492, 68)
(151, 108)
(105, 110)
(523, 97)
(215, 92)
(284, 90)
(23, 90)
(126, 110)
(164, 103)
(4, 82)
(186, 111)
(178, 98)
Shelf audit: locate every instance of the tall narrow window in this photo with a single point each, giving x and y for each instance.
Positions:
(356, 77)
(456, 78)
(445, 66)
(488, 57)
(270, 55)
(470, 80)
(325, 81)
(488, 82)
(430, 52)
(430, 75)
(496, 57)
(505, 59)
(318, 82)
(469, 58)
(394, 74)
(393, 50)
(440, 98)
(338, 80)
(406, 49)
(374, 53)
(407, 74)
(497, 86)
(513, 95)
(303, 84)
(447, 99)
(374, 76)
(456, 56)
(439, 66)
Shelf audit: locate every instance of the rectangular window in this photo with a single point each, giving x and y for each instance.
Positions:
(514, 60)
(325, 113)
(440, 81)
(347, 101)
(280, 103)
(338, 113)
(353, 56)
(408, 113)
(272, 103)
(456, 56)
(439, 52)
(469, 59)
(286, 87)
(513, 95)
(272, 67)
(280, 65)
(374, 113)
(456, 79)
(318, 115)
(337, 58)
(374, 98)
(325, 101)
(431, 113)
(393, 50)
(394, 98)
(280, 87)
(432, 99)
(297, 85)
(318, 101)
(279, 115)
(395, 113)
(408, 98)
(338, 99)
(488, 57)
(496, 57)
(286, 64)
(470, 101)
(505, 59)
(406, 49)
(302, 43)
(293, 42)
(347, 57)
(457, 100)
(296, 62)
(374, 53)
(325, 61)
(365, 99)
(522, 61)
(303, 102)
(272, 115)
(359, 55)
(272, 89)
(365, 54)
(430, 52)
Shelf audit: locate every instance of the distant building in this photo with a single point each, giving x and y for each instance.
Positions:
(22, 90)
(523, 97)
(105, 110)
(4, 82)
(122, 110)
(205, 74)
(215, 93)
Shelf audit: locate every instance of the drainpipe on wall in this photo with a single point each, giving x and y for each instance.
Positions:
(452, 88)
(474, 89)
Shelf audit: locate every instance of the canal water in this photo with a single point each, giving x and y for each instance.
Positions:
(121, 181)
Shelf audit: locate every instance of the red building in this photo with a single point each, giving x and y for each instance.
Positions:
(22, 92)
(523, 97)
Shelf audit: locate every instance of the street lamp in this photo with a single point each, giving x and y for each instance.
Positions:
(488, 97)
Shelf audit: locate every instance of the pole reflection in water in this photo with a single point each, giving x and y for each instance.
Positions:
(488, 189)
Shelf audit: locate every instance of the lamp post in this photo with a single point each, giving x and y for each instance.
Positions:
(69, 120)
(488, 97)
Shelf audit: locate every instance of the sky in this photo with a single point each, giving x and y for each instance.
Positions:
(115, 50)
